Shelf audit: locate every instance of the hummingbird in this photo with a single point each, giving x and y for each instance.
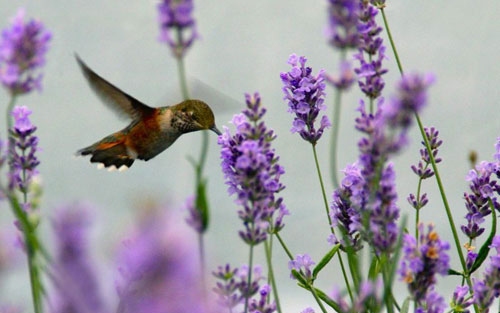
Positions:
(151, 131)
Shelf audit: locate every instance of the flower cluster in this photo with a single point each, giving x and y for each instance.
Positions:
(22, 53)
(233, 288)
(423, 169)
(75, 279)
(177, 15)
(252, 172)
(194, 218)
(23, 147)
(484, 190)
(422, 260)
(301, 264)
(460, 300)
(370, 71)
(488, 288)
(263, 305)
(344, 211)
(342, 30)
(305, 95)
(157, 262)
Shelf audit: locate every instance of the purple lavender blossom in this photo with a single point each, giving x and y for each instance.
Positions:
(302, 264)
(370, 70)
(194, 219)
(365, 205)
(342, 30)
(177, 15)
(23, 147)
(307, 310)
(263, 305)
(22, 54)
(483, 188)
(411, 98)
(433, 303)
(460, 301)
(73, 274)
(344, 211)
(252, 172)
(422, 261)
(345, 79)
(159, 271)
(488, 288)
(305, 95)
(232, 287)
(423, 169)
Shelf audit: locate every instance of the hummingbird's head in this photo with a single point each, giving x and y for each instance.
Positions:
(195, 115)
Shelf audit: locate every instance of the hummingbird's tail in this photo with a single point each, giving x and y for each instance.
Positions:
(111, 155)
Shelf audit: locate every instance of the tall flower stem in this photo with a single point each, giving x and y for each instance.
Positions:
(10, 106)
(200, 164)
(391, 40)
(433, 161)
(249, 276)
(272, 279)
(335, 130)
(181, 68)
(31, 245)
(325, 201)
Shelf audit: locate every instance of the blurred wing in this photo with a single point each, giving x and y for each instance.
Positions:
(112, 96)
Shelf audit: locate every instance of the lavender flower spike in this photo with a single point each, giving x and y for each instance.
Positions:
(252, 172)
(305, 96)
(23, 146)
(370, 71)
(159, 269)
(74, 276)
(177, 15)
(488, 288)
(342, 30)
(22, 54)
(422, 261)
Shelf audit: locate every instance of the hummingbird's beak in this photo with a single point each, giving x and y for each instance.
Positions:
(215, 130)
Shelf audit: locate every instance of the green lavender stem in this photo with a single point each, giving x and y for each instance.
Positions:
(200, 165)
(249, 275)
(325, 201)
(272, 279)
(335, 131)
(8, 116)
(433, 161)
(32, 246)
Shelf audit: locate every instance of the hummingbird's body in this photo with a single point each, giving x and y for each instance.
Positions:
(151, 131)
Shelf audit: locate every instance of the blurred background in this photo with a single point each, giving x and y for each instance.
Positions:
(244, 46)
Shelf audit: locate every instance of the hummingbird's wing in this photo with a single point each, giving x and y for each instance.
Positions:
(115, 98)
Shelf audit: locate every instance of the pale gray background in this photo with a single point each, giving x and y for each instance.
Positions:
(244, 46)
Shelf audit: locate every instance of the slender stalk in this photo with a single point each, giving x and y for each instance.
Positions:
(31, 245)
(249, 276)
(8, 116)
(344, 272)
(335, 130)
(272, 279)
(322, 185)
(433, 162)
(180, 64)
(200, 165)
(391, 40)
(201, 250)
(443, 197)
